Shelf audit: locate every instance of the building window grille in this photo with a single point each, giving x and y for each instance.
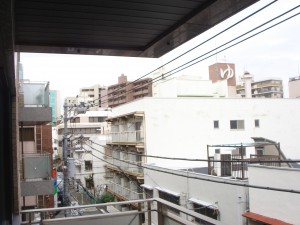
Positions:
(237, 124)
(216, 124)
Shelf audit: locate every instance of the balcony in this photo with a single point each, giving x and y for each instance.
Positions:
(123, 192)
(156, 211)
(34, 100)
(130, 167)
(36, 175)
(128, 137)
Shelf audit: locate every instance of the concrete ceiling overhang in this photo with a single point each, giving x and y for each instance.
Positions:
(144, 28)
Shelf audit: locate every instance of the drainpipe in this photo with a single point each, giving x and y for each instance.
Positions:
(22, 147)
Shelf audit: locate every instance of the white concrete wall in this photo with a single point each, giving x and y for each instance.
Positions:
(230, 200)
(184, 127)
(279, 205)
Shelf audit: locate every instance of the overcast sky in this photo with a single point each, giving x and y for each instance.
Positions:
(272, 54)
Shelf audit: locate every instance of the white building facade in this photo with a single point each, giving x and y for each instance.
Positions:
(183, 127)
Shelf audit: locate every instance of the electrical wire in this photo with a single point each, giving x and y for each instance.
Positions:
(120, 169)
(207, 40)
(199, 160)
(198, 178)
(189, 63)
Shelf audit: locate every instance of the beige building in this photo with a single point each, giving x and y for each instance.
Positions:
(126, 91)
(271, 88)
(294, 87)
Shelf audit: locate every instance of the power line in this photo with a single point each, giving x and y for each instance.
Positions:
(207, 40)
(188, 64)
(121, 170)
(199, 178)
(198, 160)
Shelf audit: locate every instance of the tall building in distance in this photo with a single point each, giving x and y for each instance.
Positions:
(97, 93)
(224, 72)
(270, 88)
(54, 103)
(294, 87)
(125, 91)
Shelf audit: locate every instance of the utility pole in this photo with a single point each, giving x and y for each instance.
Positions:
(79, 109)
(65, 158)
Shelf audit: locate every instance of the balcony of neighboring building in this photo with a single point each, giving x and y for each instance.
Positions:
(126, 129)
(34, 103)
(36, 174)
(132, 168)
(124, 193)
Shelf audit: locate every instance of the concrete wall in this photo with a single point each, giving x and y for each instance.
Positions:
(184, 127)
(230, 200)
(279, 205)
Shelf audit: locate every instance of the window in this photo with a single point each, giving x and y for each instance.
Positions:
(88, 166)
(27, 134)
(216, 124)
(217, 151)
(237, 124)
(75, 120)
(148, 193)
(171, 198)
(89, 182)
(259, 151)
(256, 123)
(205, 210)
(96, 119)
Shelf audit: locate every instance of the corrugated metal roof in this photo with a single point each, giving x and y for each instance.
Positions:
(116, 27)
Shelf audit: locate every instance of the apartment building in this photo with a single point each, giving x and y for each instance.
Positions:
(96, 94)
(184, 127)
(35, 146)
(124, 150)
(125, 91)
(294, 87)
(270, 88)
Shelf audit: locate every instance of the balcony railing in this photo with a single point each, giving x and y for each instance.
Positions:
(128, 166)
(155, 211)
(238, 166)
(36, 166)
(125, 136)
(35, 93)
(124, 192)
